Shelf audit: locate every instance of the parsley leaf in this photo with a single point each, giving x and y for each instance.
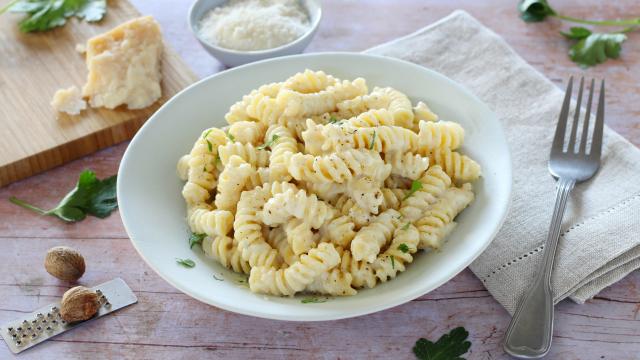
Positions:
(577, 33)
(313, 300)
(333, 120)
(534, 10)
(269, 143)
(209, 144)
(373, 140)
(406, 226)
(230, 136)
(403, 247)
(596, 48)
(46, 14)
(196, 239)
(393, 261)
(188, 263)
(90, 196)
(449, 347)
(415, 186)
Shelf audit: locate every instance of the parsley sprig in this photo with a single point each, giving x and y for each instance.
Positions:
(403, 247)
(47, 14)
(590, 48)
(449, 347)
(91, 196)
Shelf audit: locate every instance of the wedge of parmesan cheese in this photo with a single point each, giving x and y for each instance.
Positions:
(124, 65)
(69, 101)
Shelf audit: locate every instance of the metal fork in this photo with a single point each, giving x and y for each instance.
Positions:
(531, 328)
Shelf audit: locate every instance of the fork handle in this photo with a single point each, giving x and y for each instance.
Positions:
(531, 328)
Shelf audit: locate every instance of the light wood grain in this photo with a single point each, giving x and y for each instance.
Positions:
(166, 324)
(35, 65)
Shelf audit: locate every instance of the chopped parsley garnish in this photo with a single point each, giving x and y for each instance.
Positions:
(230, 136)
(415, 186)
(91, 196)
(449, 347)
(209, 144)
(188, 263)
(269, 143)
(333, 120)
(196, 239)
(373, 140)
(403, 247)
(313, 300)
(406, 226)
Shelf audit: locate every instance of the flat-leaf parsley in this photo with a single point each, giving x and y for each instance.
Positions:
(90, 196)
(449, 347)
(46, 14)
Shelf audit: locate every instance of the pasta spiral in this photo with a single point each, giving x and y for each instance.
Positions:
(277, 238)
(296, 277)
(297, 204)
(339, 231)
(370, 239)
(434, 183)
(337, 167)
(435, 223)
(222, 249)
(296, 104)
(256, 157)
(204, 220)
(399, 253)
(372, 118)
(439, 135)
(460, 168)
(334, 282)
(284, 145)
(248, 132)
(399, 106)
(407, 165)
(299, 236)
(248, 230)
(309, 81)
(231, 182)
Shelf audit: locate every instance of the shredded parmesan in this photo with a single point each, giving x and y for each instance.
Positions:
(254, 24)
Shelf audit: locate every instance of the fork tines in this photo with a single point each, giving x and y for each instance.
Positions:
(571, 145)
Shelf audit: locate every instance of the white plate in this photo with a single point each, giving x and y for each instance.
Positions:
(153, 210)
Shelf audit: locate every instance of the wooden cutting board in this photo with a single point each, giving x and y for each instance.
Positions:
(33, 137)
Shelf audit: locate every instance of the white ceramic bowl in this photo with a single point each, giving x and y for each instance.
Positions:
(153, 211)
(231, 57)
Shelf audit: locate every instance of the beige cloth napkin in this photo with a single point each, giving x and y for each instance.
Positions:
(600, 241)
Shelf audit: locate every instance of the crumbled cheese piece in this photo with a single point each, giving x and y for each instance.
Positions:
(254, 24)
(69, 101)
(124, 65)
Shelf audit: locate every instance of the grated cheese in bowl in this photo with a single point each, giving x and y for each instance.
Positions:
(248, 25)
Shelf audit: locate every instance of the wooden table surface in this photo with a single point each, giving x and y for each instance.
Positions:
(165, 324)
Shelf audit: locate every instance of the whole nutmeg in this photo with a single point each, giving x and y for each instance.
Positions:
(78, 304)
(64, 263)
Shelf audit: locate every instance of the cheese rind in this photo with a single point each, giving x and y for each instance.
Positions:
(124, 65)
(69, 101)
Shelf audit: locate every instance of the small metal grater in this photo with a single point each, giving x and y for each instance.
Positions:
(46, 322)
